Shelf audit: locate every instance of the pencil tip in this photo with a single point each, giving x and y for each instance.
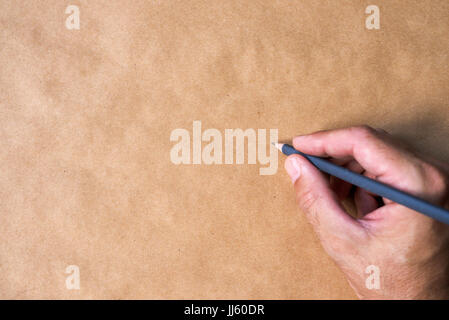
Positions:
(277, 145)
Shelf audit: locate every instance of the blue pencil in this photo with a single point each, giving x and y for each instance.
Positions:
(371, 185)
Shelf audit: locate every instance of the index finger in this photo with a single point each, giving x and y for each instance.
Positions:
(371, 149)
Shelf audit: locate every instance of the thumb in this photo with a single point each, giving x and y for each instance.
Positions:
(317, 200)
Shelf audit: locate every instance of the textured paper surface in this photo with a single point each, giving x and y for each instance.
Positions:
(86, 117)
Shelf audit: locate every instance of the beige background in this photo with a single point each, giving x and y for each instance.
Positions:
(86, 116)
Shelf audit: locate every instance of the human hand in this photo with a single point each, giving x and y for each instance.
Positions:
(410, 249)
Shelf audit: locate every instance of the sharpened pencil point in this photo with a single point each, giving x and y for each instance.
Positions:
(278, 146)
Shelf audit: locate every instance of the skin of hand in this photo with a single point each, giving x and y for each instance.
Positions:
(410, 249)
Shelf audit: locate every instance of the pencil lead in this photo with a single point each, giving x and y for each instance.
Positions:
(278, 145)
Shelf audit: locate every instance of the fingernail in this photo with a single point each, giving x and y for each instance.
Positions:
(293, 168)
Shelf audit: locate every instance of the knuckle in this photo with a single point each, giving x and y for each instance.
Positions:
(305, 199)
(307, 202)
(438, 181)
(364, 131)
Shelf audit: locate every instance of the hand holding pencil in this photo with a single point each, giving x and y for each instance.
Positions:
(410, 249)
